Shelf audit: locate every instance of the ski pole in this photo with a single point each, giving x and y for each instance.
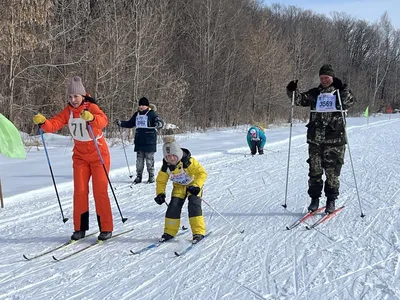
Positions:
(126, 157)
(105, 170)
(351, 159)
(230, 223)
(52, 175)
(290, 143)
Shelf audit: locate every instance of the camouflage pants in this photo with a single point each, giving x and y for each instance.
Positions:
(140, 158)
(329, 159)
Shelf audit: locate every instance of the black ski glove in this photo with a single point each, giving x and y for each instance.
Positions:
(292, 86)
(160, 199)
(194, 190)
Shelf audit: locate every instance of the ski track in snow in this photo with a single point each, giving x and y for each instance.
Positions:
(349, 257)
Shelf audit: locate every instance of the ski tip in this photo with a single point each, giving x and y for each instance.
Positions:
(241, 231)
(287, 228)
(308, 228)
(24, 256)
(133, 252)
(55, 258)
(177, 254)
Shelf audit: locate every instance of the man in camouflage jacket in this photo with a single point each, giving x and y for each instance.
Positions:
(326, 134)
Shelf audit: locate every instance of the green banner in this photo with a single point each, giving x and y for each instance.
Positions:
(10, 140)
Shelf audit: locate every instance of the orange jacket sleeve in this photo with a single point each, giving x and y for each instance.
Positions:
(57, 122)
(100, 119)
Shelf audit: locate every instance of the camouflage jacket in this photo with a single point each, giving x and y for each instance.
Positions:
(326, 128)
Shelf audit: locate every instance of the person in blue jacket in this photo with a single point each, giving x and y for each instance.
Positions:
(256, 140)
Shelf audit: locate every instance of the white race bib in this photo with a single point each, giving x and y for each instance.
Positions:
(326, 102)
(78, 129)
(181, 178)
(141, 121)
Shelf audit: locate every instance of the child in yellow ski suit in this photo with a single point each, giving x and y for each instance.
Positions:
(188, 177)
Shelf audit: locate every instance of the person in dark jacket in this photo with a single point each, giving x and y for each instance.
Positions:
(146, 122)
(326, 134)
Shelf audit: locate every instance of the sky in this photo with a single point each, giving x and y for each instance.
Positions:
(369, 10)
(348, 257)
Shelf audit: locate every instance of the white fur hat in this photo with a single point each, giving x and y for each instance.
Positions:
(171, 147)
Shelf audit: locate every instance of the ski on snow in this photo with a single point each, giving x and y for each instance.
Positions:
(324, 218)
(305, 217)
(184, 251)
(64, 245)
(98, 242)
(156, 244)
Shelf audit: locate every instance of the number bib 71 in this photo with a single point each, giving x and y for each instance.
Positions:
(78, 130)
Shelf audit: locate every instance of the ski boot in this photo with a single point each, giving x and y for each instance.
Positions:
(165, 237)
(314, 204)
(104, 235)
(197, 238)
(137, 180)
(330, 206)
(77, 235)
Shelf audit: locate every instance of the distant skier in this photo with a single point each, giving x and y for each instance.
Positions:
(188, 177)
(146, 121)
(325, 135)
(256, 140)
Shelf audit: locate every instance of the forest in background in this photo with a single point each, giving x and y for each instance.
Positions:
(203, 63)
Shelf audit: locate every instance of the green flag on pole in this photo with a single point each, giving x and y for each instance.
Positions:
(366, 113)
(10, 140)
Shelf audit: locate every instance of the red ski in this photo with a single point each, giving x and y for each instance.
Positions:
(305, 217)
(325, 218)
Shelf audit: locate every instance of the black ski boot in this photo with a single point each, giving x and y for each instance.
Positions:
(197, 238)
(151, 179)
(137, 180)
(330, 206)
(165, 237)
(314, 204)
(104, 235)
(77, 235)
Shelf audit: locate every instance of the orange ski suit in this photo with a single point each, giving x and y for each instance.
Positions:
(86, 163)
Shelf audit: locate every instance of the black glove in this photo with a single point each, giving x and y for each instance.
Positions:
(338, 84)
(160, 199)
(194, 190)
(159, 124)
(118, 122)
(292, 86)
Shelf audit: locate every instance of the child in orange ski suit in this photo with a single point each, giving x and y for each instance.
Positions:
(80, 112)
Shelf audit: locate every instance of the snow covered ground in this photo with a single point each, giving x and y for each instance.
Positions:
(349, 257)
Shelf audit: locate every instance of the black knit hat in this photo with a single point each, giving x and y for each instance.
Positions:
(144, 101)
(327, 70)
